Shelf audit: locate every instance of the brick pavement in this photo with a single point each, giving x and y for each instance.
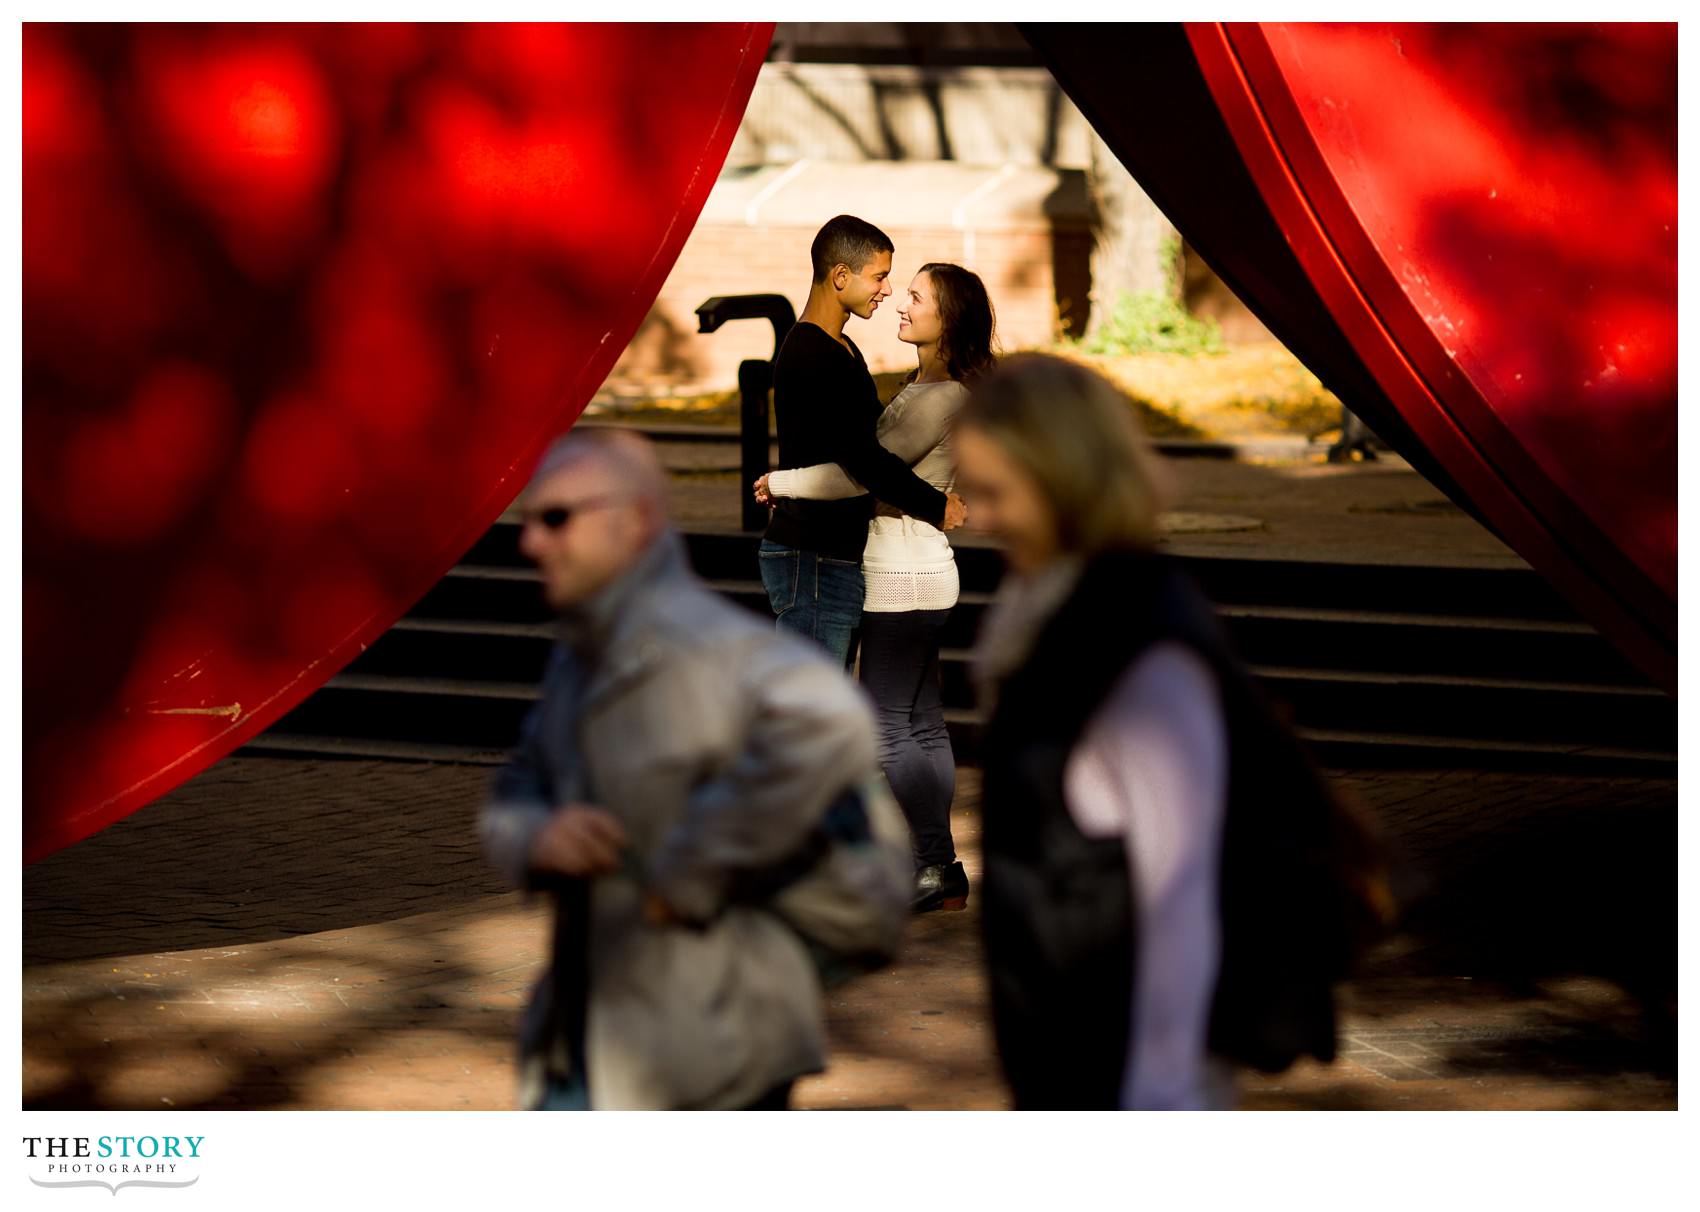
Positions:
(323, 934)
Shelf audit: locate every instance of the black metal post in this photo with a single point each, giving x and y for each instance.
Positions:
(755, 378)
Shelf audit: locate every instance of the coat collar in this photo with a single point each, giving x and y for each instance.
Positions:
(1018, 614)
(611, 634)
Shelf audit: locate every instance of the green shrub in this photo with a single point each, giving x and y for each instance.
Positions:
(1153, 322)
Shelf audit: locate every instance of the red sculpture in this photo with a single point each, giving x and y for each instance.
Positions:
(1490, 213)
(1468, 232)
(302, 305)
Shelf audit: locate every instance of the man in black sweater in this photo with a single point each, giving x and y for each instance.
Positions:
(827, 407)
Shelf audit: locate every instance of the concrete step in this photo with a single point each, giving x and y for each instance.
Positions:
(512, 643)
(1473, 718)
(1337, 749)
(356, 748)
(1382, 664)
(1510, 593)
(1399, 641)
(1347, 749)
(448, 712)
(1493, 710)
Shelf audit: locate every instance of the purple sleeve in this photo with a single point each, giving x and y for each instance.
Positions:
(1152, 767)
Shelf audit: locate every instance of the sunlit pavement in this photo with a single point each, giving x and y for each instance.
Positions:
(1375, 513)
(325, 935)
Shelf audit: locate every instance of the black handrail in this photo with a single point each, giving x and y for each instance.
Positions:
(755, 378)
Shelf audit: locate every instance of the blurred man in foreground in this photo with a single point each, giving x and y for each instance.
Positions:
(702, 797)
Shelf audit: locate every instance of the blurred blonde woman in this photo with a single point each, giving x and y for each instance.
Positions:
(1159, 901)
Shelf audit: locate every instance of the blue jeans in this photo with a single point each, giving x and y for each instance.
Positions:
(814, 596)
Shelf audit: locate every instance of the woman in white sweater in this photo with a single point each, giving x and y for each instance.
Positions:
(909, 569)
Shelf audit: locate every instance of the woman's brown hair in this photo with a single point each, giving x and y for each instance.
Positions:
(967, 339)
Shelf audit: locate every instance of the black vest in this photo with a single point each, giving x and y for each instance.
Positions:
(1058, 907)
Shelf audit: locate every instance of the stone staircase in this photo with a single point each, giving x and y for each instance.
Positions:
(1392, 666)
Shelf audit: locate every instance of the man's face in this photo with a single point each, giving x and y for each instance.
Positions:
(861, 290)
(580, 531)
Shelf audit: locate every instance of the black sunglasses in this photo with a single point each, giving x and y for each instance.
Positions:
(553, 517)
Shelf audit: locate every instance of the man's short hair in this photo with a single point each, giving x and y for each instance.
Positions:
(629, 458)
(847, 240)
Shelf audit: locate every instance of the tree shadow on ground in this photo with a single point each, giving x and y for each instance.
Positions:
(1546, 936)
(1585, 887)
(399, 1038)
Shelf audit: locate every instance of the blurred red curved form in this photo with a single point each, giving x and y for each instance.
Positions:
(302, 305)
(1489, 215)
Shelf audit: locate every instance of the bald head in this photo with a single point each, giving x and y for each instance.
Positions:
(597, 502)
(616, 460)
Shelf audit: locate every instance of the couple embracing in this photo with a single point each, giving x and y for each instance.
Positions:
(856, 545)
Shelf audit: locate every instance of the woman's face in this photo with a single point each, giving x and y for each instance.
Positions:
(1004, 500)
(918, 319)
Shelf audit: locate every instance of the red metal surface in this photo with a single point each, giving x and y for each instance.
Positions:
(1489, 215)
(1119, 75)
(301, 307)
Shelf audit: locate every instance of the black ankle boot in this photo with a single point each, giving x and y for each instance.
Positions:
(940, 887)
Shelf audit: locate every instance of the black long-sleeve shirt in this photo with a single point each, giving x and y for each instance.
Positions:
(827, 407)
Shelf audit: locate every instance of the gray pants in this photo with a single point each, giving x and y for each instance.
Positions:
(900, 670)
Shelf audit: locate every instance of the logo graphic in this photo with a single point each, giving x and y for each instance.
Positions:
(129, 1182)
(115, 1162)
